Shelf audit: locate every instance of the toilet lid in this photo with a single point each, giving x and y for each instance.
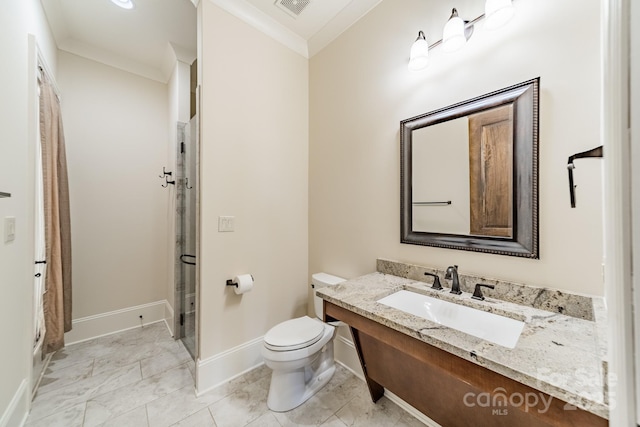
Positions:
(294, 334)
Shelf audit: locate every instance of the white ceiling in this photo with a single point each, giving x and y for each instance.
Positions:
(139, 40)
(148, 39)
(317, 26)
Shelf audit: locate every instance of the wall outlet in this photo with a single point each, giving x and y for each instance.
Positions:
(226, 223)
(9, 229)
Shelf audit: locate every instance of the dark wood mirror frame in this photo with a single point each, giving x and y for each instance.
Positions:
(524, 241)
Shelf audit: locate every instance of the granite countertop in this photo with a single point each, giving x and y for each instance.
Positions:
(557, 354)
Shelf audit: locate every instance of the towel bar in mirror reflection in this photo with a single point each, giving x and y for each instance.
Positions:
(448, 202)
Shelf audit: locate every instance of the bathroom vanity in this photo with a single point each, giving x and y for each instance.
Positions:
(553, 376)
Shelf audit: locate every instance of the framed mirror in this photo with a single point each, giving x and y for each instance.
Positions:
(469, 174)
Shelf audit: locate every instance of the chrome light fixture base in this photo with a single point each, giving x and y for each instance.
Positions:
(457, 31)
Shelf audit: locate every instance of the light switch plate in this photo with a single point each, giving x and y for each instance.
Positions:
(226, 223)
(9, 229)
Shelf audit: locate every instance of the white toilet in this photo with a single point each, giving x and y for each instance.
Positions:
(300, 353)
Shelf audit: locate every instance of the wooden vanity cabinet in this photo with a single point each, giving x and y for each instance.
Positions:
(448, 389)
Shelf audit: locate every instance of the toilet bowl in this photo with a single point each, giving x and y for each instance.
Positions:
(300, 353)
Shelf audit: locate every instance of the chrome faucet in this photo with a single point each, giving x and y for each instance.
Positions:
(452, 274)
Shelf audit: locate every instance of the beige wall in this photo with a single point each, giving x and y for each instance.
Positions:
(117, 138)
(360, 89)
(254, 166)
(17, 160)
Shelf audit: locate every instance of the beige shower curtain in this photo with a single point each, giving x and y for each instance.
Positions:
(57, 298)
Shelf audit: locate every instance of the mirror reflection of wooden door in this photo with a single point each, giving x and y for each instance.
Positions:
(491, 172)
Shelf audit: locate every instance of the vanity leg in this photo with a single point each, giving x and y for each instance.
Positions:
(375, 390)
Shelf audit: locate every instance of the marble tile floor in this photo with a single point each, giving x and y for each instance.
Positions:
(145, 378)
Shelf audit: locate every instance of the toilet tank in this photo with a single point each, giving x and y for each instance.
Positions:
(320, 280)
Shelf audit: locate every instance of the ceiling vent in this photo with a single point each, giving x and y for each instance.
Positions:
(293, 7)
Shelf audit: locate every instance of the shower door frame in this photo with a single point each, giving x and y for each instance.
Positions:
(179, 294)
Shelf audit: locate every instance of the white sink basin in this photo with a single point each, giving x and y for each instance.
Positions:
(487, 326)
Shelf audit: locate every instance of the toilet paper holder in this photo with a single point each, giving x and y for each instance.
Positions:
(230, 282)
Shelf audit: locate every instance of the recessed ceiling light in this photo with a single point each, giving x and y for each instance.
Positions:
(125, 4)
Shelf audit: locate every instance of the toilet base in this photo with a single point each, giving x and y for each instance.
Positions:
(291, 388)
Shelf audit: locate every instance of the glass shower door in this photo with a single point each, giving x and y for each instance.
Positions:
(186, 246)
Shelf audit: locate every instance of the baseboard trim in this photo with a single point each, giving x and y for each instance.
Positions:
(90, 327)
(346, 355)
(225, 366)
(410, 409)
(18, 409)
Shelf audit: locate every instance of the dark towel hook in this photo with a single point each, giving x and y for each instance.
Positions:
(165, 173)
(187, 184)
(167, 182)
(595, 152)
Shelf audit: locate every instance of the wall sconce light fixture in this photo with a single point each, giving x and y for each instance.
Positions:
(497, 13)
(419, 58)
(457, 31)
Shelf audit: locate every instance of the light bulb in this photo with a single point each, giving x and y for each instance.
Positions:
(125, 4)
(497, 13)
(419, 57)
(453, 35)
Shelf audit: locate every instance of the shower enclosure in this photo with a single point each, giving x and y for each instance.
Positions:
(186, 234)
